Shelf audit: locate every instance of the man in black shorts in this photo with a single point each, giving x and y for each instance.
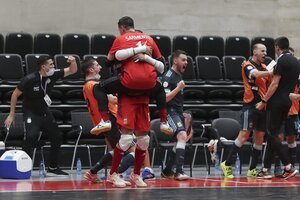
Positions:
(284, 81)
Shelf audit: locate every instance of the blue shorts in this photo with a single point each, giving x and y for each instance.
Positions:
(253, 119)
(176, 121)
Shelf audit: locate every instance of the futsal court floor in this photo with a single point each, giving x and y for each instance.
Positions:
(201, 186)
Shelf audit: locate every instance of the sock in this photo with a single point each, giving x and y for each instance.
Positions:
(163, 114)
(232, 155)
(139, 160)
(170, 160)
(101, 163)
(255, 156)
(118, 154)
(180, 149)
(127, 161)
(293, 155)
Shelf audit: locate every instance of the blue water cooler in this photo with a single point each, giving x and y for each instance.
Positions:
(15, 164)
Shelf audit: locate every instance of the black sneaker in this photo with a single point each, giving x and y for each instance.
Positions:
(289, 173)
(263, 175)
(56, 172)
(167, 174)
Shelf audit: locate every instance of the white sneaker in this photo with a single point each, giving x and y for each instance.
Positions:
(212, 148)
(181, 176)
(137, 179)
(116, 180)
(166, 128)
(103, 126)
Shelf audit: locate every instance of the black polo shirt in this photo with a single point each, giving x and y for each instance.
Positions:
(288, 68)
(34, 88)
(170, 81)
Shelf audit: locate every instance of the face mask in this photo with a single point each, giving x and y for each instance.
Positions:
(97, 76)
(50, 72)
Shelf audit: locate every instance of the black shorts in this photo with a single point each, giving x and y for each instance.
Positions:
(176, 121)
(276, 116)
(291, 125)
(253, 119)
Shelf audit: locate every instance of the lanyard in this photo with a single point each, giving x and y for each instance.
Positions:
(46, 82)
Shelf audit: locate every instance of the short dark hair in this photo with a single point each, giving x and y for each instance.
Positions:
(127, 22)
(282, 42)
(43, 60)
(177, 53)
(86, 64)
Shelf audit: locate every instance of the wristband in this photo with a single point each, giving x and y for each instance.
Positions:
(264, 101)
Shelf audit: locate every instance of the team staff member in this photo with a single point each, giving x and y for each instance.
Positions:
(284, 81)
(36, 89)
(256, 79)
(174, 85)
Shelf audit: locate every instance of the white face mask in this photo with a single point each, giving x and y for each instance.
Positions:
(50, 72)
(97, 76)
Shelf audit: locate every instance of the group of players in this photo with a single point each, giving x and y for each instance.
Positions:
(269, 112)
(119, 108)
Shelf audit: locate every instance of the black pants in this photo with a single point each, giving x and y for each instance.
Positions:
(113, 85)
(35, 123)
(276, 115)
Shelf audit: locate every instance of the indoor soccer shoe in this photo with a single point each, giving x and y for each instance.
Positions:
(116, 180)
(147, 174)
(166, 128)
(263, 175)
(56, 172)
(181, 176)
(137, 179)
(289, 173)
(167, 174)
(212, 148)
(252, 173)
(91, 177)
(227, 170)
(103, 126)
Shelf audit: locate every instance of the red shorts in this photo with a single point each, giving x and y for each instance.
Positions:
(133, 114)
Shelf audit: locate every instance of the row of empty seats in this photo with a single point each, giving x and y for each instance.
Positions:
(82, 44)
(205, 69)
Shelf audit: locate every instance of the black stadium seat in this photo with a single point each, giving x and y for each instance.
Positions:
(78, 44)
(164, 44)
(212, 46)
(101, 43)
(19, 43)
(187, 43)
(47, 43)
(237, 46)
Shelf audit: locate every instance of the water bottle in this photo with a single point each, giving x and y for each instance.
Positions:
(237, 165)
(2, 147)
(78, 167)
(42, 169)
(217, 165)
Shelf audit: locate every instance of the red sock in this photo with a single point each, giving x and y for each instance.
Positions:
(104, 115)
(139, 160)
(163, 115)
(118, 154)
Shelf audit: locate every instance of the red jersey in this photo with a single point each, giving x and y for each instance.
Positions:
(136, 75)
(93, 104)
